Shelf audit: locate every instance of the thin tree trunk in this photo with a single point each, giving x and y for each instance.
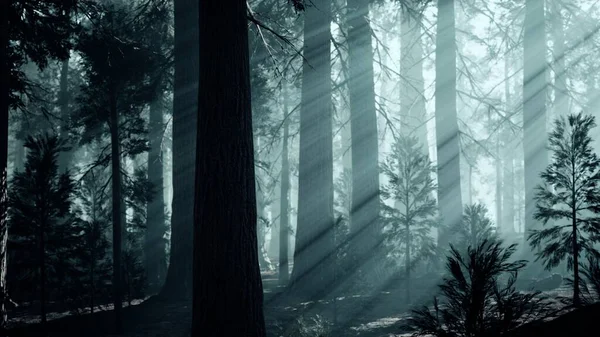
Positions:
(407, 267)
(312, 274)
(228, 292)
(116, 210)
(534, 104)
(63, 103)
(284, 273)
(42, 266)
(508, 176)
(499, 201)
(446, 124)
(155, 210)
(365, 228)
(178, 282)
(4, 105)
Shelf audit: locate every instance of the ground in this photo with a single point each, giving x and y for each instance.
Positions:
(366, 317)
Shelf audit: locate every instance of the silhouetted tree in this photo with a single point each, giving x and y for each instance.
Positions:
(475, 227)
(569, 192)
(39, 205)
(227, 294)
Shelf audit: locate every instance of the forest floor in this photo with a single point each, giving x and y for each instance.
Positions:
(378, 316)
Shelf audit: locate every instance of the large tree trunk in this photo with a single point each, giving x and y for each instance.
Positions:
(4, 101)
(365, 230)
(116, 210)
(63, 103)
(561, 94)
(412, 89)
(508, 197)
(178, 283)
(155, 221)
(534, 104)
(446, 124)
(228, 292)
(312, 274)
(284, 273)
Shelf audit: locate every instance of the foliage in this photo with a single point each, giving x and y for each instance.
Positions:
(478, 296)
(590, 280)
(569, 192)
(475, 227)
(40, 202)
(309, 326)
(411, 187)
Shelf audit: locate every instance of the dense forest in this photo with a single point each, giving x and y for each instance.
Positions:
(299, 168)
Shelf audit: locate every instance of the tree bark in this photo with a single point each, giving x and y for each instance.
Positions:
(116, 210)
(284, 273)
(312, 275)
(178, 282)
(228, 292)
(365, 229)
(534, 104)
(155, 210)
(446, 124)
(412, 90)
(4, 105)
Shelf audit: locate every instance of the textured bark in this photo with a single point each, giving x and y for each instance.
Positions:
(284, 270)
(412, 89)
(178, 283)
(154, 245)
(534, 104)
(446, 124)
(228, 293)
(312, 273)
(116, 211)
(365, 230)
(63, 102)
(4, 95)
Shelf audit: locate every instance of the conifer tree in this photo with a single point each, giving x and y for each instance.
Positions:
(569, 192)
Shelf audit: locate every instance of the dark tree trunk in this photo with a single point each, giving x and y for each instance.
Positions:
(227, 293)
(312, 275)
(63, 103)
(155, 211)
(534, 103)
(365, 230)
(4, 102)
(42, 266)
(284, 272)
(446, 124)
(178, 283)
(116, 210)
(412, 89)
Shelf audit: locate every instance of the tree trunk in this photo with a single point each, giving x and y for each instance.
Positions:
(116, 210)
(412, 90)
(499, 201)
(446, 124)
(42, 266)
(312, 275)
(63, 103)
(178, 283)
(407, 267)
(284, 273)
(155, 210)
(4, 101)
(561, 94)
(228, 292)
(534, 104)
(575, 243)
(365, 229)
(509, 175)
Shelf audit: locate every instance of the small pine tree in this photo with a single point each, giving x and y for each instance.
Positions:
(475, 227)
(411, 187)
(569, 192)
(39, 213)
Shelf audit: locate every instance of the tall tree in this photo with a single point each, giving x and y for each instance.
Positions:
(569, 191)
(534, 103)
(364, 212)
(284, 273)
(561, 94)
(178, 282)
(312, 273)
(446, 124)
(227, 293)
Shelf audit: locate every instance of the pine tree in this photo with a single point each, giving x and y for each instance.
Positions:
(411, 186)
(475, 226)
(569, 192)
(39, 206)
